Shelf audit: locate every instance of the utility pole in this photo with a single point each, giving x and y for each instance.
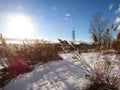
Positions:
(73, 34)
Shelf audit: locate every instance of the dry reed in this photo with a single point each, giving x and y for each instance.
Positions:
(94, 37)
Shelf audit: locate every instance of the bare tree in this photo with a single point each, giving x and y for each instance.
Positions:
(98, 26)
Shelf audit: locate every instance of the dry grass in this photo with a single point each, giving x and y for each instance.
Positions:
(35, 52)
(118, 36)
(106, 43)
(102, 74)
(40, 52)
(94, 38)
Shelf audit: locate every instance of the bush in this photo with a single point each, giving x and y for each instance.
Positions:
(18, 65)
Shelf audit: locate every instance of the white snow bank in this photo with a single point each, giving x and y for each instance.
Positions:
(57, 75)
(1, 67)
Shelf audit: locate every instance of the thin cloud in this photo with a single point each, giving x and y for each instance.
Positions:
(117, 20)
(68, 14)
(118, 27)
(63, 9)
(118, 10)
(111, 6)
(40, 17)
(20, 7)
(66, 18)
(54, 8)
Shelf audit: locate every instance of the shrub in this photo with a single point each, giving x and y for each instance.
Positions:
(18, 65)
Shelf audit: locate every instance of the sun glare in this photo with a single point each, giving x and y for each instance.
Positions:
(20, 26)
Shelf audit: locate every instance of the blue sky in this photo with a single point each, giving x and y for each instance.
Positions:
(55, 19)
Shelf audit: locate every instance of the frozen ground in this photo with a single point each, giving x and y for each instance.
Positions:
(65, 74)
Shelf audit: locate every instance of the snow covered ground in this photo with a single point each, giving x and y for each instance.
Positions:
(1, 67)
(65, 74)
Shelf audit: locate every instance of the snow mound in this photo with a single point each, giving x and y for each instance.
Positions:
(67, 74)
(57, 75)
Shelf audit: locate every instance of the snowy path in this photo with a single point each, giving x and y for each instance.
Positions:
(57, 75)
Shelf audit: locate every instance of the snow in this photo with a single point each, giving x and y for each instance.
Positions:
(67, 74)
(59, 75)
(1, 67)
(4, 62)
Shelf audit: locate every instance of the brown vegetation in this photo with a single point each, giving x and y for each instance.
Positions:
(106, 43)
(101, 74)
(35, 52)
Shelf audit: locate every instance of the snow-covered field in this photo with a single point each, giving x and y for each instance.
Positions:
(65, 74)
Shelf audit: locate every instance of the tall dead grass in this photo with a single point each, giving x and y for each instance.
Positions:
(102, 74)
(106, 43)
(39, 52)
(36, 52)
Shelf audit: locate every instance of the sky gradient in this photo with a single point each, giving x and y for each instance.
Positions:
(55, 19)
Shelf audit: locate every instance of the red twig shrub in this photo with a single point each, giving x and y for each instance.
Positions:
(18, 65)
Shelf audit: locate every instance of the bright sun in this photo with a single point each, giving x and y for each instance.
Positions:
(20, 26)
